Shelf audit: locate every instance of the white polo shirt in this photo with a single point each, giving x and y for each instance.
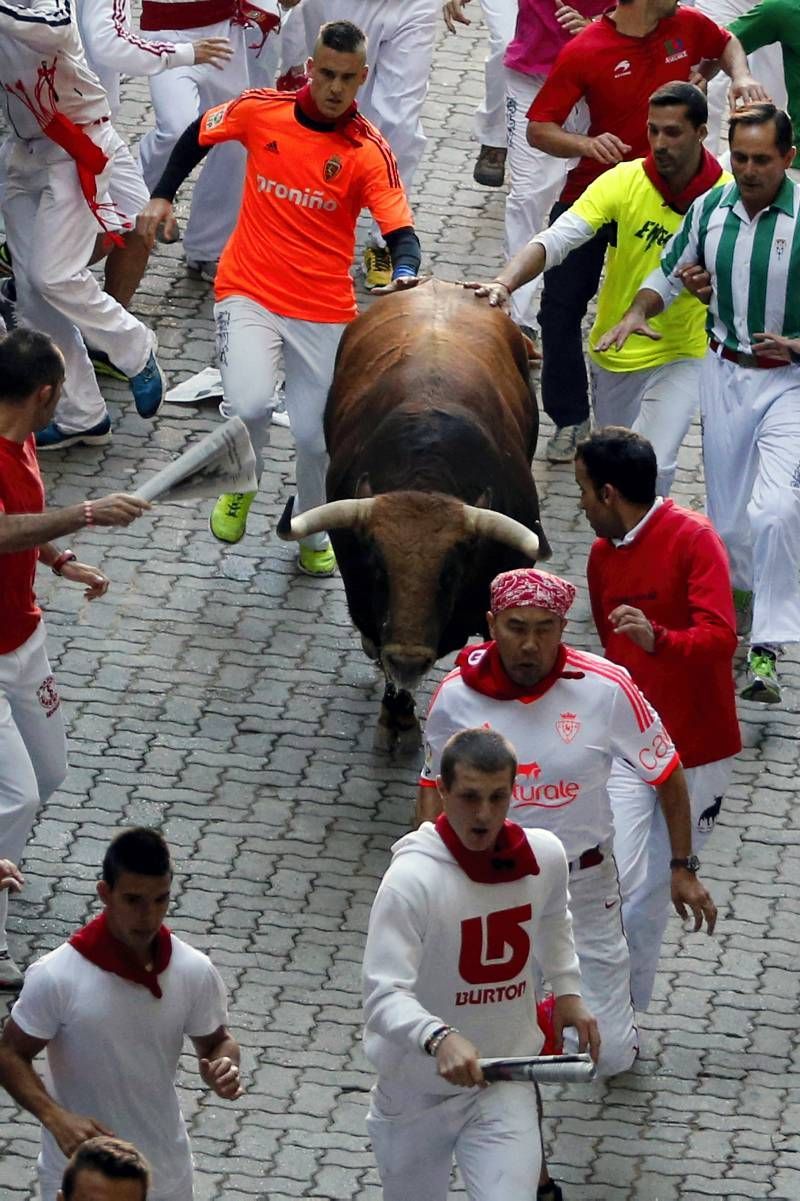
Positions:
(113, 1049)
(565, 740)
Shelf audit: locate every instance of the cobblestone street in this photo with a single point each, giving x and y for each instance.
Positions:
(221, 696)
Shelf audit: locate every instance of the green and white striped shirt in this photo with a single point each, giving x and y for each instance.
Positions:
(754, 264)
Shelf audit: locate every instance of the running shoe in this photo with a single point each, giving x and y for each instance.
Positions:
(377, 266)
(762, 674)
(11, 977)
(103, 366)
(317, 562)
(490, 166)
(148, 387)
(561, 444)
(228, 521)
(205, 268)
(52, 437)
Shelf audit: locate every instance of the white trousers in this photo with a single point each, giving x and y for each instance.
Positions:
(642, 850)
(179, 96)
(751, 451)
(595, 905)
(400, 40)
(766, 65)
(52, 234)
(250, 340)
(492, 1133)
(501, 21)
(536, 180)
(658, 403)
(33, 747)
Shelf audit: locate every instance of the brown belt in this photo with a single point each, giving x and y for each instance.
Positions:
(742, 359)
(591, 858)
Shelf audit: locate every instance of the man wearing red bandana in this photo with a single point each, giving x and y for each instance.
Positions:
(568, 714)
(111, 1008)
(466, 908)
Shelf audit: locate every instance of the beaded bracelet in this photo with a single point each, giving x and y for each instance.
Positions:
(88, 513)
(434, 1042)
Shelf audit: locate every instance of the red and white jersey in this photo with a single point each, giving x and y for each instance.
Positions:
(565, 738)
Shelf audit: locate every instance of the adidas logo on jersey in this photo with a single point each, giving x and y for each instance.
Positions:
(272, 147)
(305, 198)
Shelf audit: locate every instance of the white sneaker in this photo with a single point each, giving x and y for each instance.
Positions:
(205, 268)
(279, 414)
(10, 975)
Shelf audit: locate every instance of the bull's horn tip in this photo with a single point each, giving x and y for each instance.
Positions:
(284, 527)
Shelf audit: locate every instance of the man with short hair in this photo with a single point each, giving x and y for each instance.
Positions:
(466, 909)
(614, 65)
(313, 163)
(569, 714)
(747, 236)
(33, 760)
(649, 386)
(773, 27)
(111, 1007)
(105, 1169)
(660, 591)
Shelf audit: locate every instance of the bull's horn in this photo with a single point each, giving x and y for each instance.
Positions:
(336, 515)
(503, 529)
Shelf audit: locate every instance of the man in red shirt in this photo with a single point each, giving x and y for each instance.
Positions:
(313, 163)
(660, 591)
(32, 744)
(613, 65)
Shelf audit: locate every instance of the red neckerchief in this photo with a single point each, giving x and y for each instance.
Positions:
(305, 100)
(705, 177)
(97, 944)
(510, 859)
(486, 674)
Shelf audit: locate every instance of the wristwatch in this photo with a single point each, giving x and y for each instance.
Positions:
(691, 863)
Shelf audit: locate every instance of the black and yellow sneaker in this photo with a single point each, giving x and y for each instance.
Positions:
(762, 677)
(377, 267)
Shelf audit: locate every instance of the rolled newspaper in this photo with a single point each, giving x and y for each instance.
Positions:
(223, 461)
(543, 1069)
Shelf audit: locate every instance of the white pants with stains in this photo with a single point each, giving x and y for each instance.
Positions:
(33, 747)
(492, 1133)
(250, 342)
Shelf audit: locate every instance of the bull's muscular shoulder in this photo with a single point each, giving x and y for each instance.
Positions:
(437, 333)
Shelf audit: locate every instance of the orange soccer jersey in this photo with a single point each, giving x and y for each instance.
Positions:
(294, 239)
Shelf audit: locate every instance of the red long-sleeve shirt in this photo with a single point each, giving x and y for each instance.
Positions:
(676, 571)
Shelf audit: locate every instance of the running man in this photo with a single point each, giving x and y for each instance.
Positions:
(313, 164)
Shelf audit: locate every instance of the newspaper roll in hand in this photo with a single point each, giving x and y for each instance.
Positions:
(543, 1069)
(223, 461)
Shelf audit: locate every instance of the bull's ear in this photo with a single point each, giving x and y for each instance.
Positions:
(485, 499)
(363, 487)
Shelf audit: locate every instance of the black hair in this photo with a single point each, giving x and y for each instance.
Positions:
(29, 360)
(482, 749)
(141, 851)
(109, 1157)
(617, 456)
(343, 36)
(761, 114)
(687, 96)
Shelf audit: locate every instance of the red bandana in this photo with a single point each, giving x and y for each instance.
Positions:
(529, 588)
(482, 670)
(707, 175)
(97, 944)
(305, 100)
(511, 858)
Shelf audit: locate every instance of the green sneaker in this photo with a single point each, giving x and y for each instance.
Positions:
(317, 562)
(743, 605)
(229, 516)
(762, 671)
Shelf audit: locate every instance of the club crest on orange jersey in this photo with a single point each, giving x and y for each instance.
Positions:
(332, 168)
(215, 118)
(567, 726)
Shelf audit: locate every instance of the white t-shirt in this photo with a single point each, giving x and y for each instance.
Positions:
(565, 741)
(113, 1048)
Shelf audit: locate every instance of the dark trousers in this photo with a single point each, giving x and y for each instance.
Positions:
(567, 291)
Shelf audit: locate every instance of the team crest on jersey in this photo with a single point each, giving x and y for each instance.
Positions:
(567, 726)
(674, 49)
(48, 695)
(332, 168)
(780, 247)
(216, 118)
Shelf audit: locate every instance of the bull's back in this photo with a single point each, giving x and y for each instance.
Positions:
(432, 342)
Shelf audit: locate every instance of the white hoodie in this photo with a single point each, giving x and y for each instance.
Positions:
(444, 950)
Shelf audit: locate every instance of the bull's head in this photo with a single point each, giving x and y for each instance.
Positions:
(422, 541)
